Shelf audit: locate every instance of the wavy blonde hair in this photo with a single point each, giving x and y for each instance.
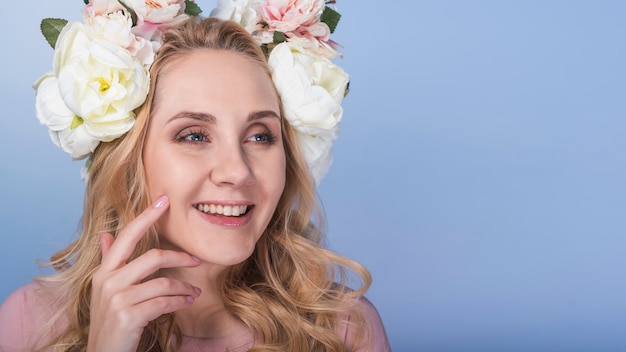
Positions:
(292, 293)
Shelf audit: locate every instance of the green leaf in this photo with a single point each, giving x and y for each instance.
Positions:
(86, 2)
(191, 8)
(279, 37)
(331, 18)
(51, 28)
(133, 14)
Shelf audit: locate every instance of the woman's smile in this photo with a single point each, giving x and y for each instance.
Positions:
(226, 214)
(226, 210)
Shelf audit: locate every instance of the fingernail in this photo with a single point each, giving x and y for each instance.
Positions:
(196, 259)
(198, 290)
(190, 299)
(160, 202)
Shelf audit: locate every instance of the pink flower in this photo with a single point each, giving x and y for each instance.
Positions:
(170, 12)
(102, 7)
(299, 21)
(315, 38)
(289, 15)
(155, 16)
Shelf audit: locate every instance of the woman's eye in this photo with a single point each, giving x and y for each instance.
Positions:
(264, 138)
(194, 137)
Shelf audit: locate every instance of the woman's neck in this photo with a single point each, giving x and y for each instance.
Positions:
(207, 317)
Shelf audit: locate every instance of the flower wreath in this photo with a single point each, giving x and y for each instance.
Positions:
(101, 68)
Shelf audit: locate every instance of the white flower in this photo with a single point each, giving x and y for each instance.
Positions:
(244, 12)
(92, 93)
(311, 89)
(52, 111)
(317, 147)
(116, 27)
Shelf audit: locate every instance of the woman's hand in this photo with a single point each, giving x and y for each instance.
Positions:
(121, 304)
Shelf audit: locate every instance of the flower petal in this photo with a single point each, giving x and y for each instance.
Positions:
(49, 106)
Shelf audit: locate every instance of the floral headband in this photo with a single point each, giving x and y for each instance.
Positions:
(101, 68)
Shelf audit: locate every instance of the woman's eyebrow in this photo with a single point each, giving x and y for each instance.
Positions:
(200, 116)
(204, 117)
(261, 114)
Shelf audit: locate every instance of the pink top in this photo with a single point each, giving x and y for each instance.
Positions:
(25, 312)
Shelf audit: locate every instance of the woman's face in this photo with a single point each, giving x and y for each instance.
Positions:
(214, 147)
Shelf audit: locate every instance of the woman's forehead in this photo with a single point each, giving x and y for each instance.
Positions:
(218, 80)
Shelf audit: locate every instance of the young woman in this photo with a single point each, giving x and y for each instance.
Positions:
(197, 228)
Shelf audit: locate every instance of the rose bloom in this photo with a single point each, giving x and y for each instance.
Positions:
(159, 11)
(52, 112)
(116, 27)
(288, 15)
(311, 89)
(315, 38)
(243, 12)
(99, 83)
(102, 7)
(153, 11)
(317, 147)
(155, 16)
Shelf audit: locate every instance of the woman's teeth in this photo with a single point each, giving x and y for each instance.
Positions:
(226, 210)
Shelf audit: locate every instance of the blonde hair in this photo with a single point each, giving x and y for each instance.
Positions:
(292, 293)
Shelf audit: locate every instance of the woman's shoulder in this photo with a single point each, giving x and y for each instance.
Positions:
(24, 315)
(17, 306)
(364, 329)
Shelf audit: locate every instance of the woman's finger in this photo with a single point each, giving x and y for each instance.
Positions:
(148, 263)
(138, 315)
(106, 241)
(149, 290)
(127, 239)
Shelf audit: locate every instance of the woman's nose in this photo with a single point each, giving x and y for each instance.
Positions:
(231, 168)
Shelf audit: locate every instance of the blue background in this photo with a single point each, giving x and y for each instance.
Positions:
(480, 172)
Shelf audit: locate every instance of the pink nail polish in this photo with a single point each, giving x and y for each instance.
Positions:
(197, 290)
(196, 259)
(190, 299)
(160, 202)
